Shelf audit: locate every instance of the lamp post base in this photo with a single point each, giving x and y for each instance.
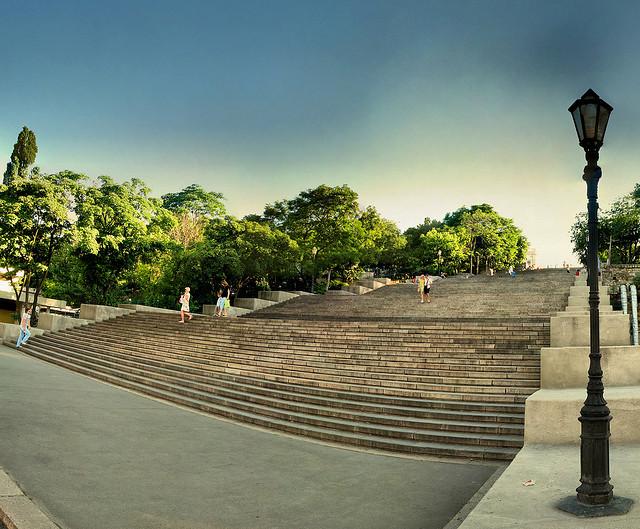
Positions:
(615, 507)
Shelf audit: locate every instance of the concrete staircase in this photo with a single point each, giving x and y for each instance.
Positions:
(422, 381)
(552, 412)
(534, 293)
(455, 390)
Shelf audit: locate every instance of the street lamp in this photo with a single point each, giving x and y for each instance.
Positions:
(595, 493)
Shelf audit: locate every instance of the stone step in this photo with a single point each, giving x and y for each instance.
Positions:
(390, 351)
(232, 312)
(515, 333)
(496, 349)
(338, 359)
(204, 390)
(585, 308)
(336, 427)
(295, 373)
(348, 383)
(510, 374)
(343, 401)
(463, 325)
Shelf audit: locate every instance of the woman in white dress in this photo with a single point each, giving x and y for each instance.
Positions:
(184, 304)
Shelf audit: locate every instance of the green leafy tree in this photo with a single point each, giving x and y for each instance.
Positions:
(239, 252)
(325, 223)
(455, 218)
(414, 234)
(476, 234)
(492, 240)
(193, 208)
(37, 220)
(118, 225)
(23, 155)
(618, 231)
(443, 249)
(383, 243)
(196, 200)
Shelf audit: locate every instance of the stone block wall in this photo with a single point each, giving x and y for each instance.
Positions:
(624, 273)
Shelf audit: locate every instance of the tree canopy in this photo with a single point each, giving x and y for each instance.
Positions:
(106, 241)
(37, 219)
(619, 229)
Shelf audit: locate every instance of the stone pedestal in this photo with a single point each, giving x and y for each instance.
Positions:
(253, 303)
(56, 322)
(572, 329)
(101, 312)
(567, 367)
(551, 415)
(278, 296)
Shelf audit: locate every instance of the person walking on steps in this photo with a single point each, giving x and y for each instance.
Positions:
(426, 289)
(25, 326)
(219, 304)
(420, 281)
(227, 299)
(184, 304)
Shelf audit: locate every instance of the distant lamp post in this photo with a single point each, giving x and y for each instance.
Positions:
(595, 493)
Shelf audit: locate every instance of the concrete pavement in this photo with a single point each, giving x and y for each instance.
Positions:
(93, 456)
(556, 472)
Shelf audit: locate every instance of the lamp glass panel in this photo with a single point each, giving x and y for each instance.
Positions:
(577, 120)
(602, 122)
(589, 114)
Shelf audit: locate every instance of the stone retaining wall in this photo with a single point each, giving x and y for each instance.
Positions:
(624, 273)
(101, 312)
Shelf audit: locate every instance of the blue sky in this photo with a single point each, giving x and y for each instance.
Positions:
(421, 106)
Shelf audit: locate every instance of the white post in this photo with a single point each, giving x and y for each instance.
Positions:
(623, 298)
(634, 314)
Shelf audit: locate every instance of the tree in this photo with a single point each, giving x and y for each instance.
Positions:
(23, 155)
(383, 243)
(193, 208)
(477, 232)
(37, 220)
(492, 239)
(618, 231)
(443, 249)
(325, 223)
(196, 200)
(118, 225)
(413, 234)
(456, 217)
(263, 251)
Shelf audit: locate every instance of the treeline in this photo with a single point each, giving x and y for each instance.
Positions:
(619, 231)
(107, 242)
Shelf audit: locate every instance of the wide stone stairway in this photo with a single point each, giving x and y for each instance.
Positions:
(375, 371)
(532, 293)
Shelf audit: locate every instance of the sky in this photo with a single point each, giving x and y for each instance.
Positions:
(419, 106)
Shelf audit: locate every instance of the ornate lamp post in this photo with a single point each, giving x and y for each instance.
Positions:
(595, 493)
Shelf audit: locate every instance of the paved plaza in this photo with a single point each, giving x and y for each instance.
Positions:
(93, 456)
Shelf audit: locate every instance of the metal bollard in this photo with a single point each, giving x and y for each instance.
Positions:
(634, 314)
